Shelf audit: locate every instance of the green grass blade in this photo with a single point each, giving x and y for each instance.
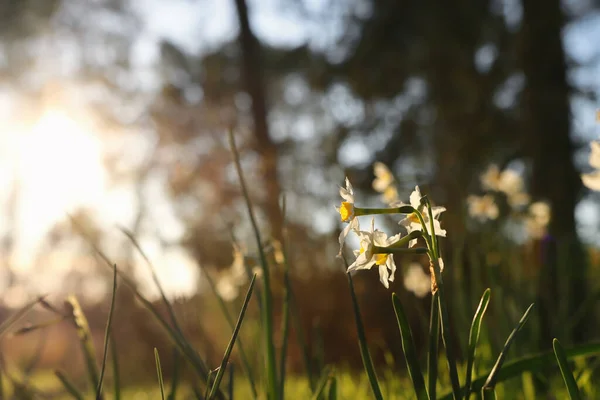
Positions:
(445, 331)
(567, 375)
(85, 338)
(434, 341)
(267, 306)
(225, 311)
(301, 339)
(332, 392)
(410, 352)
(434, 255)
(175, 380)
(161, 383)
(107, 334)
(474, 339)
(532, 363)
(155, 279)
(285, 320)
(238, 325)
(191, 356)
(114, 355)
(10, 321)
(230, 386)
(322, 384)
(69, 387)
(362, 341)
(488, 393)
(493, 377)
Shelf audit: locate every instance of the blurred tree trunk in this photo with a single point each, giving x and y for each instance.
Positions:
(554, 176)
(253, 78)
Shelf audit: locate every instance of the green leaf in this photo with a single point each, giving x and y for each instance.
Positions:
(107, 334)
(114, 355)
(493, 377)
(175, 335)
(175, 380)
(567, 375)
(76, 394)
(322, 383)
(10, 321)
(362, 341)
(474, 339)
(332, 393)
(161, 383)
(410, 352)
(267, 306)
(532, 363)
(225, 311)
(434, 341)
(238, 325)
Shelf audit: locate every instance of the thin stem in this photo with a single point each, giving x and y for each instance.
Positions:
(358, 211)
(267, 311)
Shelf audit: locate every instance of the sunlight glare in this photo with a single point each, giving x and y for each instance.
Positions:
(59, 168)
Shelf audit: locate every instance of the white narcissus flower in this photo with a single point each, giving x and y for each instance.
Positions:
(417, 281)
(346, 208)
(412, 223)
(483, 207)
(366, 258)
(346, 211)
(592, 180)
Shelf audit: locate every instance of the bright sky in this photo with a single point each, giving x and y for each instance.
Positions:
(57, 159)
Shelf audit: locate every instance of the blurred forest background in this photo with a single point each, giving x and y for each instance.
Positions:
(116, 112)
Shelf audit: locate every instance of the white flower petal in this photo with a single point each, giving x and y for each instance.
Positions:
(384, 276)
(391, 264)
(591, 180)
(594, 159)
(415, 198)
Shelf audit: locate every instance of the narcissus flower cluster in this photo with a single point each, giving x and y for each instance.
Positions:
(376, 248)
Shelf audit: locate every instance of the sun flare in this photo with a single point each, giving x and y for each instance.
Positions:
(58, 169)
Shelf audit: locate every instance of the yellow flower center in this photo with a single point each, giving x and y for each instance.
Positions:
(346, 211)
(413, 218)
(380, 259)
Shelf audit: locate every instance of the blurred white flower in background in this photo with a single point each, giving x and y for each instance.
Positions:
(384, 183)
(592, 179)
(538, 219)
(483, 207)
(233, 278)
(417, 281)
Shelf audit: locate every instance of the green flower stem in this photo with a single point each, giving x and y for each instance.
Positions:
(406, 239)
(394, 250)
(434, 239)
(446, 330)
(424, 233)
(358, 211)
(444, 316)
